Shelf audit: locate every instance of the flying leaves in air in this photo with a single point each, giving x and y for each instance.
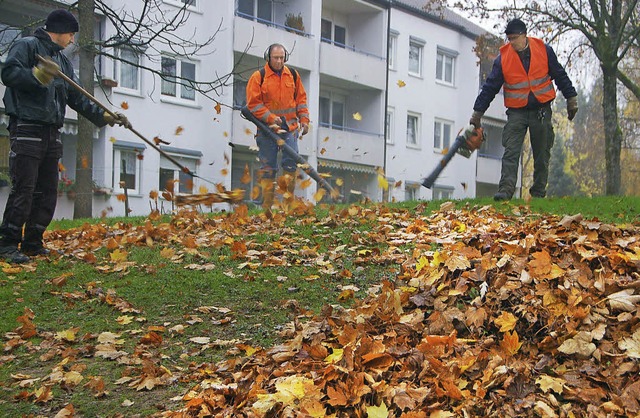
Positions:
(357, 116)
(217, 108)
(401, 83)
(178, 130)
(158, 141)
(124, 105)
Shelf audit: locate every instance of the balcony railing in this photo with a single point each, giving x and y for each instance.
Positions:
(274, 24)
(351, 48)
(344, 128)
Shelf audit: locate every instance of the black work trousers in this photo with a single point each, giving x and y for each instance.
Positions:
(33, 168)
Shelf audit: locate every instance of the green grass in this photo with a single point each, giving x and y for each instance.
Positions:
(224, 303)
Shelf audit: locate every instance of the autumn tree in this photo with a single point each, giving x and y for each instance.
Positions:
(607, 29)
(561, 182)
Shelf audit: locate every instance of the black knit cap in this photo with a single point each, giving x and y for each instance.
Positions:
(515, 26)
(61, 21)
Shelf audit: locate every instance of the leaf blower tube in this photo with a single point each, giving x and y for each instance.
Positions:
(292, 153)
(469, 136)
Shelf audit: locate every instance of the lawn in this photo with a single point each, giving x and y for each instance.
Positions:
(144, 316)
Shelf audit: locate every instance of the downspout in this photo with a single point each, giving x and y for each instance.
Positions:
(386, 93)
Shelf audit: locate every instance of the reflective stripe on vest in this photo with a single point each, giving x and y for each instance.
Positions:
(518, 84)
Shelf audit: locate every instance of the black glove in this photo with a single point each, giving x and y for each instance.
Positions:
(475, 118)
(117, 118)
(572, 107)
(45, 71)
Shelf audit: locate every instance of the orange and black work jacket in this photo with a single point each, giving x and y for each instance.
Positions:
(526, 76)
(278, 96)
(518, 83)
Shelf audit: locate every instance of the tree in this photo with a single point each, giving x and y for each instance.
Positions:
(146, 29)
(608, 29)
(561, 183)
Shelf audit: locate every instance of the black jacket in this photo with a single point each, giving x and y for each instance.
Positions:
(26, 99)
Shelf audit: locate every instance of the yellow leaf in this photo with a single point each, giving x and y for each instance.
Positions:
(67, 335)
(378, 411)
(246, 176)
(117, 255)
(506, 321)
(339, 182)
(401, 83)
(167, 252)
(112, 140)
(357, 116)
(437, 259)
(336, 356)
(383, 183)
(179, 130)
(319, 194)
(124, 319)
(326, 139)
(422, 263)
(459, 226)
(547, 383)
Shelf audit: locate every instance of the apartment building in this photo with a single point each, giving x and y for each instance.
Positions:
(353, 57)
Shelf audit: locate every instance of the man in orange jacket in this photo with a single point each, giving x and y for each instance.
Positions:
(276, 96)
(525, 68)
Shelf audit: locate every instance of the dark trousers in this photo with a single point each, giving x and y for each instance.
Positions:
(33, 168)
(541, 135)
(268, 154)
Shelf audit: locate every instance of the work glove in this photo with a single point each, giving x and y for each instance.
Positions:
(117, 118)
(304, 129)
(45, 71)
(475, 118)
(572, 107)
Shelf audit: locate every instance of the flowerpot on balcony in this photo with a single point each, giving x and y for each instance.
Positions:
(71, 194)
(294, 23)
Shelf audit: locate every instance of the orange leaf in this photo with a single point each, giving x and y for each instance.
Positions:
(151, 338)
(121, 197)
(124, 105)
(85, 161)
(179, 130)
(255, 192)
(511, 343)
(61, 167)
(218, 108)
(224, 171)
(246, 176)
(153, 194)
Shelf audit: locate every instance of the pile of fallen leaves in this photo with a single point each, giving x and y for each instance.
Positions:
(488, 315)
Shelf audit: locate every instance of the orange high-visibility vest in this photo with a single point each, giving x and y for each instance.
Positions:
(277, 96)
(518, 84)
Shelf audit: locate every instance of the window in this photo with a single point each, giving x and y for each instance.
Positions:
(413, 130)
(393, 47)
(416, 47)
(8, 35)
(442, 192)
(171, 175)
(262, 9)
(411, 191)
(446, 65)
(332, 110)
(175, 72)
(239, 92)
(390, 125)
(332, 33)
(442, 134)
(126, 69)
(126, 168)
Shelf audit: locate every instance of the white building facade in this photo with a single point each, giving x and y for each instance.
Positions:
(361, 62)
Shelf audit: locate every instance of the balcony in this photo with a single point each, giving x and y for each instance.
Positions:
(344, 144)
(252, 35)
(352, 65)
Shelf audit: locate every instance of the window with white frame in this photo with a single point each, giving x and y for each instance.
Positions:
(188, 3)
(413, 130)
(446, 65)
(176, 77)
(411, 191)
(442, 192)
(126, 69)
(442, 134)
(393, 48)
(390, 124)
(261, 9)
(174, 179)
(332, 33)
(127, 166)
(332, 110)
(416, 50)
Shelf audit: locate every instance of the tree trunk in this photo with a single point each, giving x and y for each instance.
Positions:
(83, 205)
(612, 133)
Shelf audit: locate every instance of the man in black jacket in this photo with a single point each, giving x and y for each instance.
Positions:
(525, 70)
(36, 100)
